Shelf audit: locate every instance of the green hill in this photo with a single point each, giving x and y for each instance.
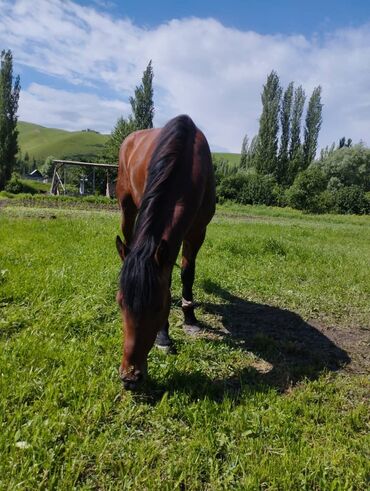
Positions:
(232, 158)
(40, 142)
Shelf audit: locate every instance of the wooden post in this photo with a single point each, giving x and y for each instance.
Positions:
(107, 189)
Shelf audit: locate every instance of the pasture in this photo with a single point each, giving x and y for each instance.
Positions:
(273, 395)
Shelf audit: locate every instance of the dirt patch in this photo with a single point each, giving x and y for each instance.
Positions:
(288, 348)
(356, 342)
(3, 203)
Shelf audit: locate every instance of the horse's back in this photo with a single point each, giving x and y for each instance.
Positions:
(195, 180)
(134, 157)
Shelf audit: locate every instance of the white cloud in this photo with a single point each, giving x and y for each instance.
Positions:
(69, 110)
(213, 73)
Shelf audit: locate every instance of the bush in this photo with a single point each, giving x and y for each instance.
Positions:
(14, 185)
(258, 190)
(305, 191)
(248, 189)
(325, 202)
(351, 200)
(348, 166)
(231, 187)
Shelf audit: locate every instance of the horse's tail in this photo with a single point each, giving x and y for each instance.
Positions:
(139, 276)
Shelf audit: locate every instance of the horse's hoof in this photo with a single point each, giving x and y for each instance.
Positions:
(191, 329)
(167, 349)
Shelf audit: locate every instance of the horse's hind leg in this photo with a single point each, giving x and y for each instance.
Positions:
(191, 245)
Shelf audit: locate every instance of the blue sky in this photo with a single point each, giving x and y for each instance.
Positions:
(79, 61)
(263, 16)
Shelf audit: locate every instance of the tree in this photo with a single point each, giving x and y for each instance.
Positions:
(9, 95)
(348, 166)
(244, 153)
(295, 147)
(312, 127)
(141, 118)
(121, 130)
(285, 120)
(47, 167)
(343, 143)
(142, 103)
(266, 157)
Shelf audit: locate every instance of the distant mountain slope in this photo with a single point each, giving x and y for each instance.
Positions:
(40, 142)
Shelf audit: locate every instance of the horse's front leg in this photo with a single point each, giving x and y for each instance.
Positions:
(163, 340)
(191, 246)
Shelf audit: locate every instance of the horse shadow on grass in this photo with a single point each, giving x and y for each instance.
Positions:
(286, 350)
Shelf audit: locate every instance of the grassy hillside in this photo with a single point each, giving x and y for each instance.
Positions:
(232, 158)
(40, 142)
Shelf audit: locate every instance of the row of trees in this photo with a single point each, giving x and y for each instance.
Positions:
(9, 96)
(282, 113)
(278, 166)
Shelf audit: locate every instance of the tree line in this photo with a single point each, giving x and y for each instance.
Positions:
(278, 149)
(278, 166)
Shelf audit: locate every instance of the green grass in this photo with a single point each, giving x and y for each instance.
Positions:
(40, 142)
(232, 158)
(259, 408)
(36, 187)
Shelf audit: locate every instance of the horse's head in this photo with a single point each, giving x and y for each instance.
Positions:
(144, 299)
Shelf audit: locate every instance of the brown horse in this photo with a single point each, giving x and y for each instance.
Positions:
(166, 192)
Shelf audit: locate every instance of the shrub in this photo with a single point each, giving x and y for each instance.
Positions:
(351, 200)
(248, 189)
(258, 189)
(280, 195)
(305, 191)
(325, 201)
(231, 187)
(348, 165)
(14, 185)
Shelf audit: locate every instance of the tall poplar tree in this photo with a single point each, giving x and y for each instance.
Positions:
(142, 116)
(285, 121)
(266, 158)
(312, 127)
(244, 153)
(295, 147)
(9, 95)
(142, 102)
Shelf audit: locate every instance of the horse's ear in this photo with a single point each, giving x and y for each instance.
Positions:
(122, 248)
(161, 254)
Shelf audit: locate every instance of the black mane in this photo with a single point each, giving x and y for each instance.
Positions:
(140, 273)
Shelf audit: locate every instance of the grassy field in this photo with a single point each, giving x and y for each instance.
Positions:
(272, 396)
(232, 158)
